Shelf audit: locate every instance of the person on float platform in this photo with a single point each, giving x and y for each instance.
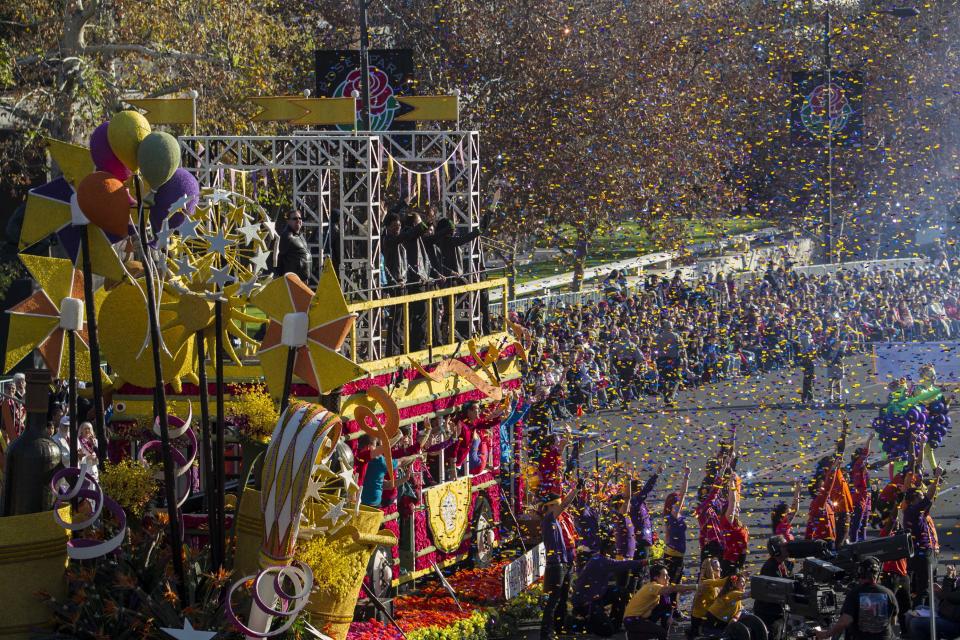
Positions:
(869, 609)
(293, 254)
(647, 616)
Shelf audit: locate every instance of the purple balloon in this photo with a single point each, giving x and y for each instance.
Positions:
(181, 184)
(103, 156)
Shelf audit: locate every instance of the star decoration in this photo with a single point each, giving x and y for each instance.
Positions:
(314, 485)
(271, 227)
(347, 476)
(218, 243)
(335, 513)
(250, 232)
(259, 261)
(184, 268)
(179, 204)
(189, 228)
(163, 236)
(218, 196)
(247, 287)
(188, 632)
(221, 277)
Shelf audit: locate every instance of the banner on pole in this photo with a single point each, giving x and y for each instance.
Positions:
(165, 110)
(813, 104)
(391, 72)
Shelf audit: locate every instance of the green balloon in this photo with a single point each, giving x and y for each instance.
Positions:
(159, 158)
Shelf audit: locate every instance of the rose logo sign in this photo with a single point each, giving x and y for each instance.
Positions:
(823, 103)
(383, 102)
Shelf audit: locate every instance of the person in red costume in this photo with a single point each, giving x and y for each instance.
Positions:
(551, 464)
(736, 537)
(485, 447)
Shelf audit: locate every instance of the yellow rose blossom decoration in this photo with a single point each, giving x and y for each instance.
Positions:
(130, 484)
(255, 412)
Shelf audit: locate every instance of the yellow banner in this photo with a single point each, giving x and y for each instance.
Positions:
(296, 110)
(165, 110)
(428, 108)
(447, 506)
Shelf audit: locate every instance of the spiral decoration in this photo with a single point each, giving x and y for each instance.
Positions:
(178, 428)
(75, 483)
(267, 589)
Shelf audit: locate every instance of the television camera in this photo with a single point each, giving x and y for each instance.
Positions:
(816, 592)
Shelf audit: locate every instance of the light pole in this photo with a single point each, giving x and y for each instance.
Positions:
(364, 66)
(897, 12)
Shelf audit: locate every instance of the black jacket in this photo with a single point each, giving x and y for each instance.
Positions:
(447, 243)
(414, 240)
(293, 255)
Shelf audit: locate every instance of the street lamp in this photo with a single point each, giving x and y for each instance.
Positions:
(364, 66)
(897, 12)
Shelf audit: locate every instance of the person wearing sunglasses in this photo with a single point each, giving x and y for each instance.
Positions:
(293, 255)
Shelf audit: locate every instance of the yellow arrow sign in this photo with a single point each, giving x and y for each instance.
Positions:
(277, 108)
(326, 111)
(165, 110)
(428, 108)
(298, 110)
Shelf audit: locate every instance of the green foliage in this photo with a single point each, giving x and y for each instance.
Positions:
(10, 271)
(504, 621)
(129, 595)
(472, 628)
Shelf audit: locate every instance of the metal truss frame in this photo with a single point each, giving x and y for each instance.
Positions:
(358, 160)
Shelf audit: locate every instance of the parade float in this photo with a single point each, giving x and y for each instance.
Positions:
(243, 397)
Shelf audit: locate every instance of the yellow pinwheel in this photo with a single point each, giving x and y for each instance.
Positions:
(40, 322)
(328, 322)
(51, 209)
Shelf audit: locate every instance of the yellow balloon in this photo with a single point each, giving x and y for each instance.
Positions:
(126, 131)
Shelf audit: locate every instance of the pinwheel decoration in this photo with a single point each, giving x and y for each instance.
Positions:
(40, 321)
(321, 321)
(53, 208)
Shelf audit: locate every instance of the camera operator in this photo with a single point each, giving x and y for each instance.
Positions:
(948, 611)
(869, 609)
(773, 614)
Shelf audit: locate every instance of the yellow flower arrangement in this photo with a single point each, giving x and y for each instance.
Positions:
(130, 484)
(331, 561)
(254, 412)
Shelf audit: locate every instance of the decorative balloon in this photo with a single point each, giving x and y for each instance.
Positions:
(103, 156)
(181, 187)
(920, 418)
(159, 157)
(127, 129)
(106, 202)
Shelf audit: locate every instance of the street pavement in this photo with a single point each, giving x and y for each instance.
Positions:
(778, 441)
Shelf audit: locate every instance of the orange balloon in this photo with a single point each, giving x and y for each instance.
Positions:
(105, 202)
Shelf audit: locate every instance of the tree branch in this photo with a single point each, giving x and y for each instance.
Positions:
(147, 51)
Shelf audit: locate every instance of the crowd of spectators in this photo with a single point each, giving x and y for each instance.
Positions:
(647, 338)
